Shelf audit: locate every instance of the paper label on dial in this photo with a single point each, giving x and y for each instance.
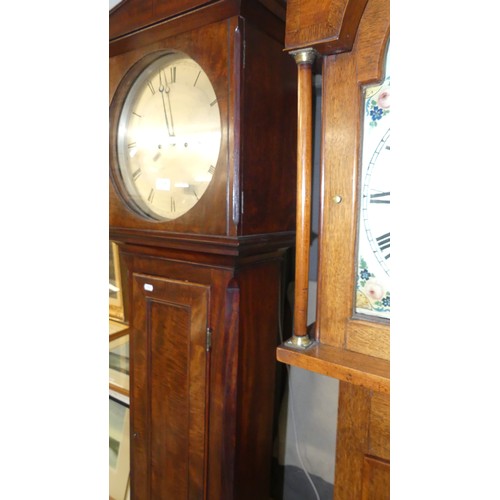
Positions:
(163, 184)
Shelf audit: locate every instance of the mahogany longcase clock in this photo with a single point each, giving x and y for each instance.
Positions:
(202, 206)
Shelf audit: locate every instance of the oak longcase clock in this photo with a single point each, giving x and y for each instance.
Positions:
(202, 207)
(354, 288)
(352, 328)
(354, 311)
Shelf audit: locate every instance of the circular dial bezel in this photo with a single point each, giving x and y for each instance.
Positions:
(176, 160)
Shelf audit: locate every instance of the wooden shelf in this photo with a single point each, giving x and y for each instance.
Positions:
(117, 329)
(355, 368)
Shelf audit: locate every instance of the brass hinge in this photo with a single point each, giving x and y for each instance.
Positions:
(209, 339)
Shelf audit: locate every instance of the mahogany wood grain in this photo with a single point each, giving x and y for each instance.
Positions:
(132, 15)
(253, 189)
(168, 394)
(209, 216)
(266, 155)
(220, 265)
(244, 304)
(132, 39)
(141, 15)
(259, 337)
(277, 7)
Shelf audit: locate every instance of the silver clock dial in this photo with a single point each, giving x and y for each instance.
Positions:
(169, 137)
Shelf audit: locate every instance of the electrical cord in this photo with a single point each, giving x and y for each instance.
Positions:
(294, 425)
(291, 402)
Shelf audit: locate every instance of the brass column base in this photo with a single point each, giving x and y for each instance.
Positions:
(299, 342)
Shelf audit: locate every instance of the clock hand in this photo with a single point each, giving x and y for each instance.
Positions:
(170, 111)
(162, 90)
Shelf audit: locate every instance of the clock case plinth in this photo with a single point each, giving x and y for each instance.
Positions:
(205, 291)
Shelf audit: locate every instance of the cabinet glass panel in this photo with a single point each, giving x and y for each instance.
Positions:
(119, 357)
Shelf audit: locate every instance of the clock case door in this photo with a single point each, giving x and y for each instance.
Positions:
(169, 387)
(252, 192)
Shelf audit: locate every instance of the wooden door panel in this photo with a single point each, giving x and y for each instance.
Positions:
(362, 470)
(380, 436)
(169, 370)
(376, 479)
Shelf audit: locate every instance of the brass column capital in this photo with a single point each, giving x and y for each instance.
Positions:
(304, 56)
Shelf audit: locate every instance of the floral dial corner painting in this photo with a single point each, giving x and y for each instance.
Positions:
(373, 296)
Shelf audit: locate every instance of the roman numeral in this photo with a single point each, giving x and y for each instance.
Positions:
(173, 71)
(211, 170)
(213, 103)
(162, 80)
(136, 114)
(151, 195)
(132, 145)
(136, 174)
(150, 85)
(384, 243)
(172, 205)
(382, 197)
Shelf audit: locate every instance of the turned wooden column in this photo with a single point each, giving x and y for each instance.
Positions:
(304, 59)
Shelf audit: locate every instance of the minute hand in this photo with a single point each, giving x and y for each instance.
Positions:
(170, 123)
(172, 133)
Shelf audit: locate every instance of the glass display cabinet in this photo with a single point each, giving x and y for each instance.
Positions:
(119, 401)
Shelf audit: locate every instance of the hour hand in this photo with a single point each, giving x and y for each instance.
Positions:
(165, 89)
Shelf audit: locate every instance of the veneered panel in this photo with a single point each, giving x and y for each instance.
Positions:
(169, 370)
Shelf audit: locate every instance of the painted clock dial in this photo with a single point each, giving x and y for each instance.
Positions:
(373, 295)
(168, 137)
